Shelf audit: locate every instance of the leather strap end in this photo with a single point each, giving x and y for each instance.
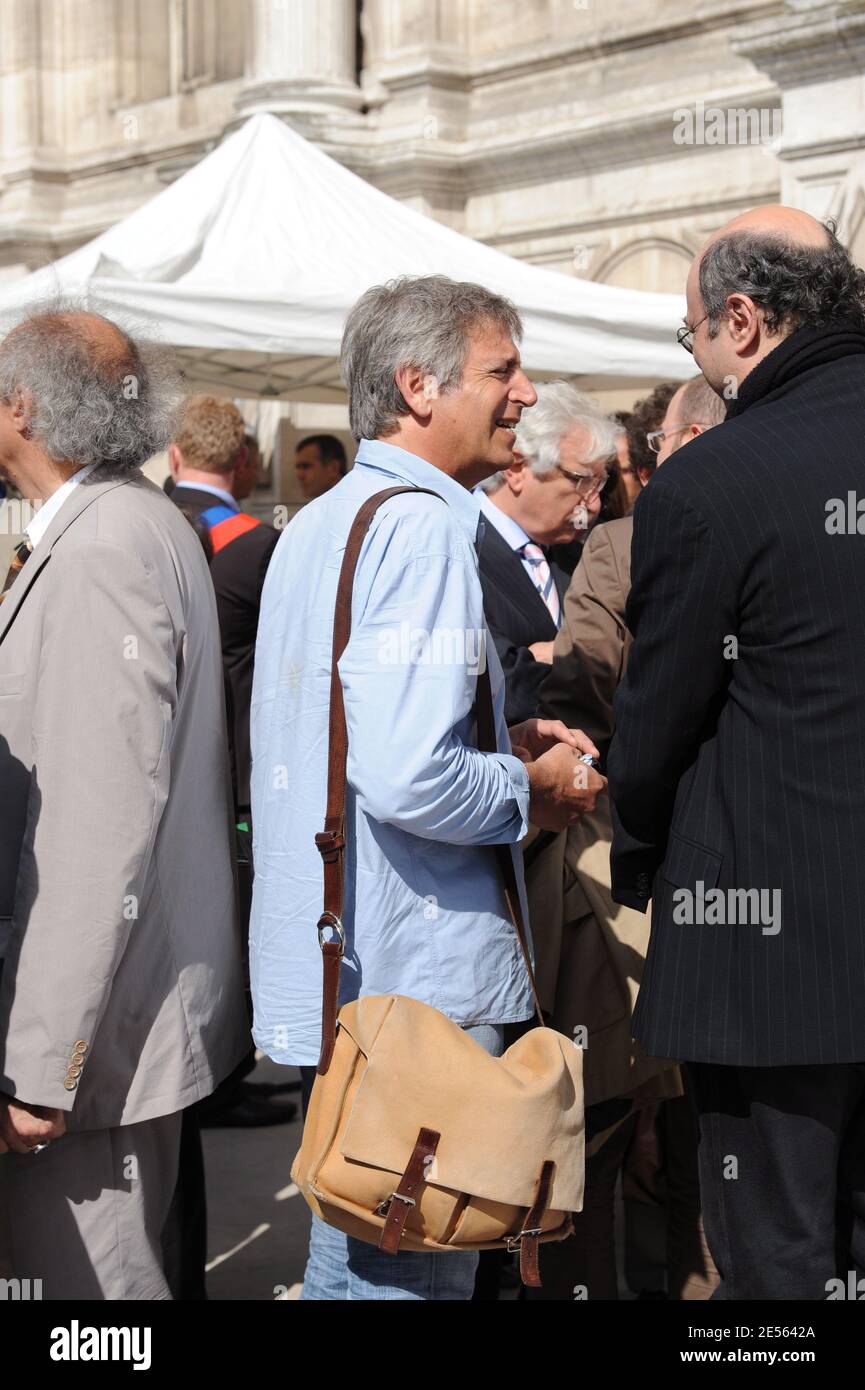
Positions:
(410, 1184)
(530, 1270)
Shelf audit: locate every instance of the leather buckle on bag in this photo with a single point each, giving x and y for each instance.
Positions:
(384, 1206)
(330, 844)
(328, 921)
(514, 1242)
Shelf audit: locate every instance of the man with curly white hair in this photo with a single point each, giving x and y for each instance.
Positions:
(121, 997)
(534, 511)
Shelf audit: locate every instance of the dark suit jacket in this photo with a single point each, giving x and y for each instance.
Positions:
(738, 761)
(238, 569)
(517, 616)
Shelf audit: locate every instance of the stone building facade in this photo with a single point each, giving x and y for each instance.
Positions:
(603, 140)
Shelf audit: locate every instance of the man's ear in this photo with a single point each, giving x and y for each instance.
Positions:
(175, 461)
(418, 389)
(743, 322)
(515, 476)
(21, 404)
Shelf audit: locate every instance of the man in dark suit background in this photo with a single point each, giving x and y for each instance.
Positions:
(737, 769)
(214, 465)
(536, 514)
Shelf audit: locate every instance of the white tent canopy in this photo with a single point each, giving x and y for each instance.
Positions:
(249, 262)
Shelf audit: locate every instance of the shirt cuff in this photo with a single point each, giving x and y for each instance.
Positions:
(519, 780)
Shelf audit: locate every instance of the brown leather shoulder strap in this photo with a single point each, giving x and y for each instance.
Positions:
(331, 840)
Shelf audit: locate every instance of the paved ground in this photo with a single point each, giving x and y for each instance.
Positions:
(258, 1223)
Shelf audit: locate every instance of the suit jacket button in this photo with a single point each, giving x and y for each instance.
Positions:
(77, 1058)
(69, 1085)
(80, 1046)
(73, 1071)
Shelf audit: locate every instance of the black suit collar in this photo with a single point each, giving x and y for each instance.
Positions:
(505, 566)
(806, 348)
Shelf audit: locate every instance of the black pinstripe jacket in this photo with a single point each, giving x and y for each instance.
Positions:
(737, 769)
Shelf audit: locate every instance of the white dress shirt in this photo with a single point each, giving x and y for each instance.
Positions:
(42, 519)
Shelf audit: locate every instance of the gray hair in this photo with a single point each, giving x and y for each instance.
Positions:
(700, 405)
(796, 285)
(560, 410)
(423, 323)
(91, 400)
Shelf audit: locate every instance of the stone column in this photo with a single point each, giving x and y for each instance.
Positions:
(301, 58)
(20, 53)
(815, 53)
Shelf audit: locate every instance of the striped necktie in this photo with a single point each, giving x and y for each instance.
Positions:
(543, 579)
(20, 556)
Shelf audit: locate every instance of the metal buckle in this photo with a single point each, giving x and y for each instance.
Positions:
(384, 1205)
(328, 921)
(330, 844)
(514, 1242)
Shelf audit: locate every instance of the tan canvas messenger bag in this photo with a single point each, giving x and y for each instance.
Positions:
(416, 1138)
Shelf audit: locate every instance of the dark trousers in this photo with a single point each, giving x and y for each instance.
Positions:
(782, 1176)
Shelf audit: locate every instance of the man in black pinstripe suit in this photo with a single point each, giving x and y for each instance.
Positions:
(738, 767)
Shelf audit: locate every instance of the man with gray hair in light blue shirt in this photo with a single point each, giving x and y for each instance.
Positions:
(435, 389)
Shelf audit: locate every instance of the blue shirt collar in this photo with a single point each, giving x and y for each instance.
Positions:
(219, 492)
(409, 468)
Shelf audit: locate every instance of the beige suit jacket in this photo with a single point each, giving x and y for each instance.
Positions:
(589, 950)
(591, 649)
(121, 995)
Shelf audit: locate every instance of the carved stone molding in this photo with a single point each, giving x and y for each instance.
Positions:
(816, 41)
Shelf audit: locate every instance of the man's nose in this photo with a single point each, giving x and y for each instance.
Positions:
(522, 390)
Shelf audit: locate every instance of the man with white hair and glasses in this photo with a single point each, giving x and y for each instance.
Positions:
(547, 499)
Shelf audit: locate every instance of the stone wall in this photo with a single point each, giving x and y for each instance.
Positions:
(550, 128)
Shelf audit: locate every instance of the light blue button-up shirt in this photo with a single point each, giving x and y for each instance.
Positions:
(424, 907)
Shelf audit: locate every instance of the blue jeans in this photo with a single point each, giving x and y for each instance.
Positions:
(340, 1267)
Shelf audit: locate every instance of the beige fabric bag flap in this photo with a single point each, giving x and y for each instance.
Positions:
(481, 1105)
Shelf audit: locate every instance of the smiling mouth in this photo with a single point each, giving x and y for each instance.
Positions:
(507, 424)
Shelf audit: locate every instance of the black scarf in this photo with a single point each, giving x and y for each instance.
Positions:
(803, 349)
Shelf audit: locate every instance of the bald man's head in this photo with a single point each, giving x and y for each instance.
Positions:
(763, 275)
(92, 393)
(772, 219)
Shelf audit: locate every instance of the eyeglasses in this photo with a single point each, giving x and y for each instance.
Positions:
(655, 439)
(588, 486)
(685, 335)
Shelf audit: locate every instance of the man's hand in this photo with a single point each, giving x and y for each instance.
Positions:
(542, 651)
(561, 788)
(538, 736)
(22, 1126)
